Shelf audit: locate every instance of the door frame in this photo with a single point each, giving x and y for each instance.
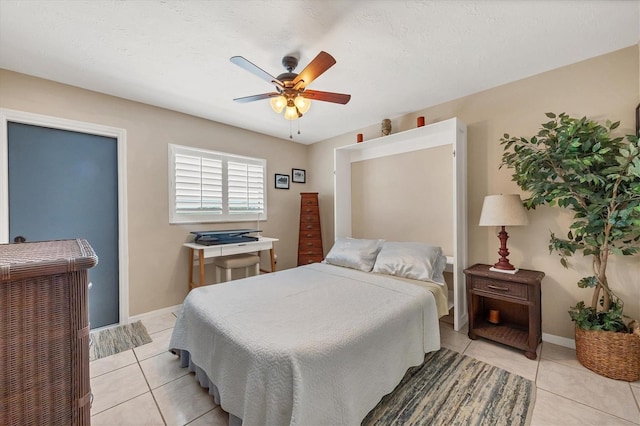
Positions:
(14, 116)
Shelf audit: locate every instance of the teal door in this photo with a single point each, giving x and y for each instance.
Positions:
(64, 185)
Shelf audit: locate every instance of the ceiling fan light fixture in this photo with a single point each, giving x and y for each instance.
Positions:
(291, 113)
(278, 103)
(303, 104)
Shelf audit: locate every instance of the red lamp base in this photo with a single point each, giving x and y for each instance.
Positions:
(503, 264)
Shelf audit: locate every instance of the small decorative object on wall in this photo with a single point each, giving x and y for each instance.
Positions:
(420, 121)
(638, 120)
(282, 181)
(359, 138)
(299, 175)
(386, 127)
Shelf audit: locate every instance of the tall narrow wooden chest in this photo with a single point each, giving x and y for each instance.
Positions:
(44, 333)
(309, 237)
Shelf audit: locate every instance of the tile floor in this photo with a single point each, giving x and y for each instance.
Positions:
(145, 386)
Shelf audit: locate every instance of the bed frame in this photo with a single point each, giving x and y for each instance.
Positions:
(450, 132)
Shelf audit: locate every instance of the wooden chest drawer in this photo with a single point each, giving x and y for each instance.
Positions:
(310, 226)
(309, 210)
(311, 234)
(307, 244)
(309, 218)
(501, 288)
(308, 251)
(304, 259)
(309, 201)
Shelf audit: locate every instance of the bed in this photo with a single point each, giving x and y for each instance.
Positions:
(317, 344)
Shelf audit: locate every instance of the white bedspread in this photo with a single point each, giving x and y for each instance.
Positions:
(314, 345)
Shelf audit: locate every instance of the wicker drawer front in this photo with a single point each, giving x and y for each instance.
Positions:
(44, 377)
(304, 259)
(501, 288)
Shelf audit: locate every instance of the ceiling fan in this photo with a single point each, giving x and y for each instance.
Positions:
(291, 93)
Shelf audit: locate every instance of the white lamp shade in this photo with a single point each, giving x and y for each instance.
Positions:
(503, 210)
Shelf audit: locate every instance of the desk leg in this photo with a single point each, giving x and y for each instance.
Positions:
(273, 260)
(201, 258)
(190, 268)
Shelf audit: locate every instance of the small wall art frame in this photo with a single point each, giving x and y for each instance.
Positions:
(299, 175)
(638, 120)
(282, 181)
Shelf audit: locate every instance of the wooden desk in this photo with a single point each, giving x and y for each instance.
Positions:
(205, 252)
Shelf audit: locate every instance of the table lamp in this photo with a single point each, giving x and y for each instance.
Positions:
(503, 210)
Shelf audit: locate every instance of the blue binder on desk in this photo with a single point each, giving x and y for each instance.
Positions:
(230, 236)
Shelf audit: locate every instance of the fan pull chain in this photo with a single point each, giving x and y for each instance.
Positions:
(290, 135)
(298, 126)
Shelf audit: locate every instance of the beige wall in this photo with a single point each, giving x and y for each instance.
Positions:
(376, 200)
(606, 87)
(157, 260)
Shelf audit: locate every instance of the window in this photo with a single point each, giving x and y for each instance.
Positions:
(209, 186)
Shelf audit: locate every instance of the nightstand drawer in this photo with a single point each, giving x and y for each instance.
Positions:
(502, 288)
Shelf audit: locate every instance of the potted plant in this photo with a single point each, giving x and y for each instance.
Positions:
(576, 163)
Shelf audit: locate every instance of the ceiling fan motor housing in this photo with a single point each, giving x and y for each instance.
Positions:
(290, 63)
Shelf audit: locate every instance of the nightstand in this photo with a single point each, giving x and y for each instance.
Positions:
(515, 297)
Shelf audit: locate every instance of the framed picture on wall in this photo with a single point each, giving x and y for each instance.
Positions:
(282, 181)
(299, 175)
(638, 120)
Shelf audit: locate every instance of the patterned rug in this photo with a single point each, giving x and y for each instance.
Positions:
(454, 389)
(117, 339)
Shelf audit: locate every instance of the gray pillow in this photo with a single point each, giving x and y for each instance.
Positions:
(354, 253)
(418, 261)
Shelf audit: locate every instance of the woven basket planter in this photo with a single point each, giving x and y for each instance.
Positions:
(610, 354)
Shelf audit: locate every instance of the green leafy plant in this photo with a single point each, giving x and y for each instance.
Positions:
(576, 163)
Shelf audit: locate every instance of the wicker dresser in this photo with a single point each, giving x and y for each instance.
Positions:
(309, 237)
(44, 333)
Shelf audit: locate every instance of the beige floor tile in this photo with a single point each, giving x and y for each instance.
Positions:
(554, 410)
(611, 396)
(560, 354)
(215, 417)
(183, 400)
(510, 359)
(159, 345)
(162, 369)
(141, 410)
(159, 322)
(118, 386)
(110, 363)
(453, 340)
(448, 323)
(635, 384)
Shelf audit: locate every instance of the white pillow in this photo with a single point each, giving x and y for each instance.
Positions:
(354, 253)
(418, 261)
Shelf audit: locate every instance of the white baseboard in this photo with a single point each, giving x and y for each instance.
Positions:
(558, 340)
(170, 309)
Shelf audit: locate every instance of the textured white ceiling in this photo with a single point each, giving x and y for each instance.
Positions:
(394, 57)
